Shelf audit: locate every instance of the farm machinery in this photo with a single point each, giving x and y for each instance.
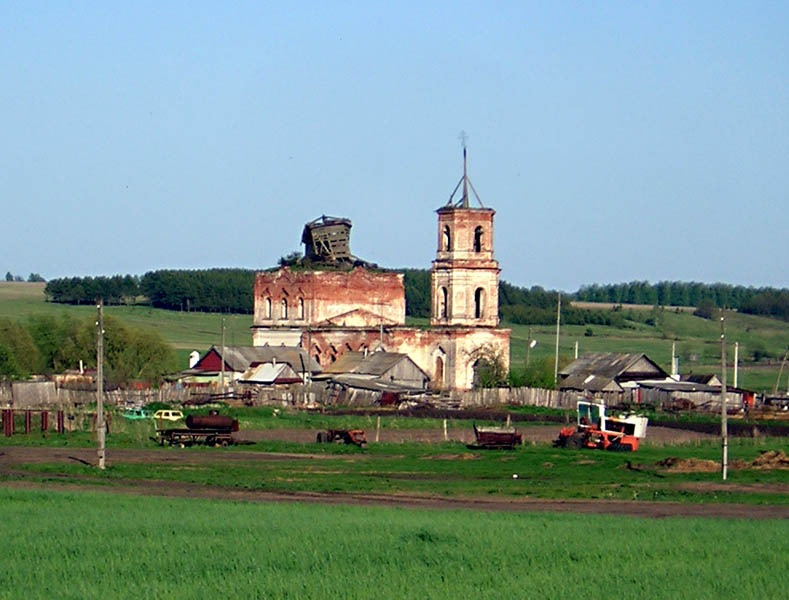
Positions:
(596, 429)
(210, 430)
(342, 436)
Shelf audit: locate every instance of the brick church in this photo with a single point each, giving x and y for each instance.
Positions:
(338, 304)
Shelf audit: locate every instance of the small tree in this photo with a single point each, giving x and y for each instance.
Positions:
(706, 309)
(489, 368)
(35, 278)
(9, 276)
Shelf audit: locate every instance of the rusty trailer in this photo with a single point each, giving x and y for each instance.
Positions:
(496, 438)
(204, 430)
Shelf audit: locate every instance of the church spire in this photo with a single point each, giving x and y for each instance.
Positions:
(465, 182)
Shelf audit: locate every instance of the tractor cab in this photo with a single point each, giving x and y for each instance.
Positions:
(591, 415)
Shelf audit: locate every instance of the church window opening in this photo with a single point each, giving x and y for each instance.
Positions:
(478, 239)
(442, 303)
(446, 239)
(284, 308)
(267, 308)
(479, 303)
(301, 308)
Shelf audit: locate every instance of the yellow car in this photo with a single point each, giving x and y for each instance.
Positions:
(168, 415)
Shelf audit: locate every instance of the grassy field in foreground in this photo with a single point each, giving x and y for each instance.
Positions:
(698, 340)
(68, 545)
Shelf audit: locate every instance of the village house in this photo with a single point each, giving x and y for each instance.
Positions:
(393, 369)
(260, 364)
(610, 372)
(351, 307)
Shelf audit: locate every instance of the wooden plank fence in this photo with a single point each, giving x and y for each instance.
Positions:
(37, 395)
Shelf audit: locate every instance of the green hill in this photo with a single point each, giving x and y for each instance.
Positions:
(762, 340)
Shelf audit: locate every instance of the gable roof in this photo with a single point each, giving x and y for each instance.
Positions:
(604, 371)
(239, 358)
(271, 373)
(375, 363)
(614, 365)
(357, 317)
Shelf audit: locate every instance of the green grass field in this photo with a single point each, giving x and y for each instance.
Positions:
(67, 545)
(698, 340)
(443, 469)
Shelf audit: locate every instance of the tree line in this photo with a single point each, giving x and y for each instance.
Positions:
(231, 291)
(757, 301)
(32, 278)
(45, 344)
(211, 290)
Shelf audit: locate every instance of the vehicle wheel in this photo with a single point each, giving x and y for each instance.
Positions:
(575, 441)
(224, 443)
(616, 446)
(319, 437)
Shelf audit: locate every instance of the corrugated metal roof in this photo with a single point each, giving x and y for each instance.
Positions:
(239, 358)
(270, 372)
(606, 364)
(375, 363)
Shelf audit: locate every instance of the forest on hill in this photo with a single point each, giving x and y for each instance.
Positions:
(231, 291)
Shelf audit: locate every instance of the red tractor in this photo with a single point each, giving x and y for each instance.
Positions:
(597, 430)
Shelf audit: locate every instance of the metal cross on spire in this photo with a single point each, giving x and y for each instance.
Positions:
(465, 181)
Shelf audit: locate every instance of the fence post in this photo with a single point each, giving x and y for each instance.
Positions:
(27, 421)
(60, 428)
(44, 420)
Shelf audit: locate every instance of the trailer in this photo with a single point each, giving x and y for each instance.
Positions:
(496, 438)
(207, 430)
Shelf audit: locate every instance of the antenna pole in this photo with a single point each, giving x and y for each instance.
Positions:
(724, 424)
(223, 356)
(100, 428)
(558, 321)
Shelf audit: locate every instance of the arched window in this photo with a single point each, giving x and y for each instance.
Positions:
(443, 309)
(438, 378)
(301, 308)
(476, 372)
(479, 303)
(446, 240)
(478, 239)
(284, 308)
(267, 308)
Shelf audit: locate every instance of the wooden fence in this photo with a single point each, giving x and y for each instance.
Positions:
(38, 395)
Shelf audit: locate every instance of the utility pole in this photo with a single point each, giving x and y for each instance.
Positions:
(724, 425)
(528, 347)
(576, 349)
(100, 427)
(222, 379)
(558, 322)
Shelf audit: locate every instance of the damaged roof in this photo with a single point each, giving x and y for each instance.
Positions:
(239, 358)
(375, 363)
(603, 371)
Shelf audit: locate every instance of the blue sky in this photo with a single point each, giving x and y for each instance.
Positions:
(616, 141)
